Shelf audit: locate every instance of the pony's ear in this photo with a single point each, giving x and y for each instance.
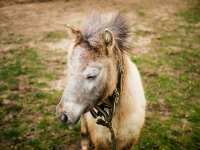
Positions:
(108, 39)
(76, 33)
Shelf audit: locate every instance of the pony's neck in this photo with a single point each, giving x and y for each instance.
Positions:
(123, 102)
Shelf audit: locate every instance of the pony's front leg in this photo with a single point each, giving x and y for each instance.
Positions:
(85, 141)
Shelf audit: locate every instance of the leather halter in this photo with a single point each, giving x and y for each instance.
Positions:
(104, 112)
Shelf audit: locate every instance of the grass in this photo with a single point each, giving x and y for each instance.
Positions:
(170, 71)
(28, 109)
(192, 14)
(141, 13)
(54, 36)
(12, 38)
(171, 77)
(173, 100)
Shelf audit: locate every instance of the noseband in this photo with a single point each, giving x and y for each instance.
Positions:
(103, 112)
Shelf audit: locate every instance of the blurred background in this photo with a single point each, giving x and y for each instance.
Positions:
(33, 51)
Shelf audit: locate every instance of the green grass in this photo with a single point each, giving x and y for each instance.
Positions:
(173, 96)
(192, 15)
(141, 13)
(27, 115)
(171, 79)
(54, 36)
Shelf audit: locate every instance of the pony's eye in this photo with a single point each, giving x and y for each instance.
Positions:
(90, 76)
(91, 73)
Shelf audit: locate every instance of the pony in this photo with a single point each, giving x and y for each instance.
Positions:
(98, 66)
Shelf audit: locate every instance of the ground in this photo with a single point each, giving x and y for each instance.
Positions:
(33, 50)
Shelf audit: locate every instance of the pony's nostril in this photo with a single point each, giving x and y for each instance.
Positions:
(64, 117)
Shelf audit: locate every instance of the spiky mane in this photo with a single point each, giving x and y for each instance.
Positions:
(96, 23)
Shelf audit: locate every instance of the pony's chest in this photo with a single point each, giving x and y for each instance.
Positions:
(122, 131)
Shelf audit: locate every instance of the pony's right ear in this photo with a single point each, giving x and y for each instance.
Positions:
(76, 33)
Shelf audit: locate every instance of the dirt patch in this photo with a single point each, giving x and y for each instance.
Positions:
(4, 3)
(35, 18)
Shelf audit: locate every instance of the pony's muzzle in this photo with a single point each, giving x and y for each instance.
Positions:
(62, 115)
(69, 113)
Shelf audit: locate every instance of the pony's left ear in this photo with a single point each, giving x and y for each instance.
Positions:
(76, 33)
(108, 39)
